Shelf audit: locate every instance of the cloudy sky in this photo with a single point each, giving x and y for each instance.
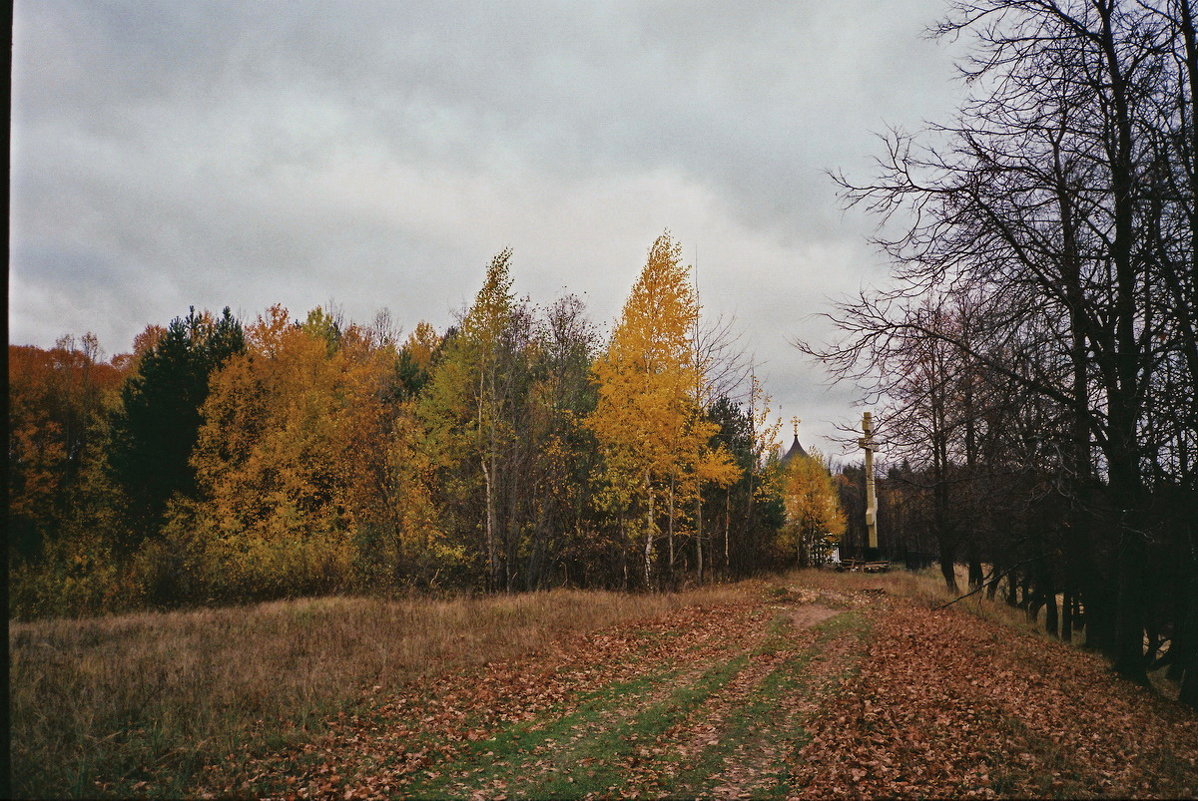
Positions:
(378, 154)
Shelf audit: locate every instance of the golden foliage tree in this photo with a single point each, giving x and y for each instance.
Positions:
(648, 422)
(814, 520)
(283, 459)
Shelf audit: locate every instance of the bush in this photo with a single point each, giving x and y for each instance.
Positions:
(77, 576)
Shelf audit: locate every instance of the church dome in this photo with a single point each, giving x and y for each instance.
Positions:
(796, 449)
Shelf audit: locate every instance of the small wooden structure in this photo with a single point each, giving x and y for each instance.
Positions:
(862, 566)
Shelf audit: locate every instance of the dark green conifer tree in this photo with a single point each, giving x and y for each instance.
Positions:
(154, 430)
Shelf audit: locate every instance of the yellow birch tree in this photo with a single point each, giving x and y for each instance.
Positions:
(648, 421)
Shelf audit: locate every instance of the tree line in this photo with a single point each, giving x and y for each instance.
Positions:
(1036, 348)
(224, 461)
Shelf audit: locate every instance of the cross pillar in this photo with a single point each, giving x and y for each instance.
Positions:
(868, 445)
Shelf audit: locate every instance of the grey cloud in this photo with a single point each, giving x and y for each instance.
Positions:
(378, 153)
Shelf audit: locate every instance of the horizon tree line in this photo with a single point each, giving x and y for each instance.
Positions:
(224, 461)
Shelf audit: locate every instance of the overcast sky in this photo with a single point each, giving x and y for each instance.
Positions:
(377, 155)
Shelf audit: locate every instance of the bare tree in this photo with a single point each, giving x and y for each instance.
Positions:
(1057, 204)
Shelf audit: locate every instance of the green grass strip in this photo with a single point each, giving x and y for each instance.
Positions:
(758, 719)
(503, 755)
(599, 764)
(553, 761)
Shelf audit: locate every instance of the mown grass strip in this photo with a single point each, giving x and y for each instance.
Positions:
(102, 706)
(599, 764)
(461, 759)
(503, 755)
(587, 750)
(759, 718)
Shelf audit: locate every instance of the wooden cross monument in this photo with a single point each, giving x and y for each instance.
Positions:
(868, 445)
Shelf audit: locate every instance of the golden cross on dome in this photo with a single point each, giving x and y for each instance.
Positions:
(796, 422)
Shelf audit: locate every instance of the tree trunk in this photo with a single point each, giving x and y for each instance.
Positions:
(1067, 617)
(976, 576)
(948, 570)
(727, 525)
(1122, 398)
(624, 552)
(670, 528)
(1051, 618)
(1188, 657)
(1189, 686)
(649, 526)
(1036, 600)
(487, 453)
(1099, 619)
(1129, 613)
(492, 561)
(1181, 645)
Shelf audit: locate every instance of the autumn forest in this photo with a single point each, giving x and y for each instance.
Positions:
(294, 555)
(226, 461)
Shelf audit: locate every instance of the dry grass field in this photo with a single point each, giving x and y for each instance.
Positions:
(809, 684)
(114, 699)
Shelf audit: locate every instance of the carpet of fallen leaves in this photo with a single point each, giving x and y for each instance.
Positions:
(793, 693)
(947, 705)
(377, 752)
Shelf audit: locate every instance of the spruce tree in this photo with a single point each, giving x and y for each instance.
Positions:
(156, 425)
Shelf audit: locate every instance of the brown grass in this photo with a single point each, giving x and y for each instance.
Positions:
(102, 704)
(121, 700)
(925, 585)
(927, 588)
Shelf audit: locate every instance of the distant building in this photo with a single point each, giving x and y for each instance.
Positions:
(796, 448)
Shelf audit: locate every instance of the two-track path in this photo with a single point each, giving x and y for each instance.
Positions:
(793, 692)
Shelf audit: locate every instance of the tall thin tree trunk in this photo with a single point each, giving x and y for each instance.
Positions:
(976, 575)
(624, 551)
(1129, 614)
(1188, 657)
(727, 525)
(948, 567)
(996, 569)
(1182, 628)
(1067, 617)
(1099, 618)
(1051, 617)
(1123, 401)
(488, 491)
(670, 528)
(649, 526)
